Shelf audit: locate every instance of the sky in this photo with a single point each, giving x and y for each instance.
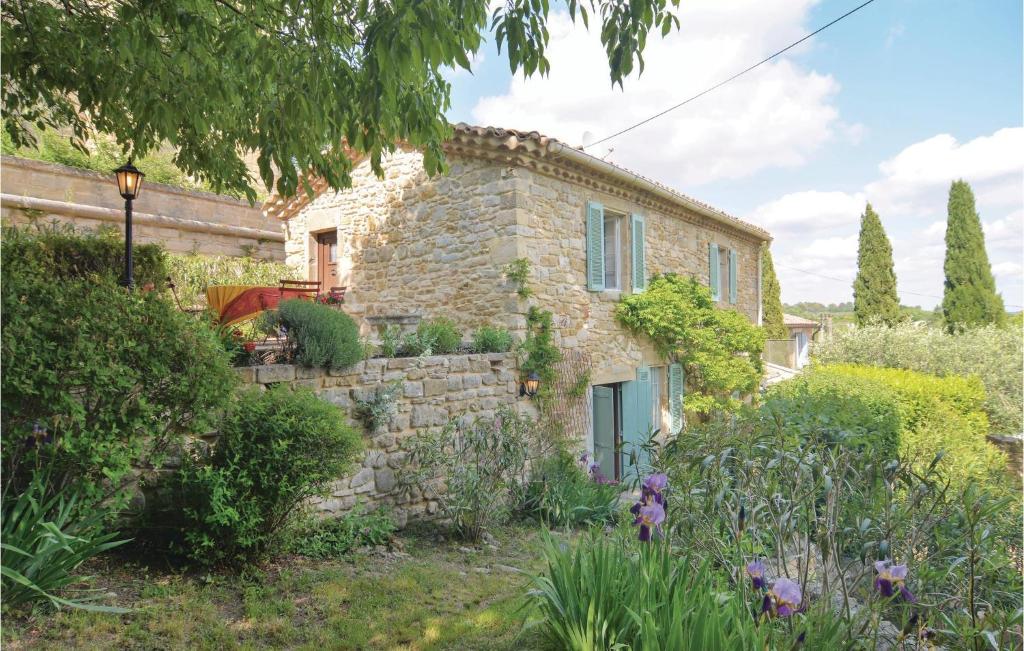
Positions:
(888, 106)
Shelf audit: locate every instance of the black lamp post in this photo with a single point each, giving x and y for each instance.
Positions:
(129, 184)
(530, 386)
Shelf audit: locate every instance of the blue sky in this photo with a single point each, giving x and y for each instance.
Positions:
(888, 105)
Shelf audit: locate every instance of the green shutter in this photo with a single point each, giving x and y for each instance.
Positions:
(732, 276)
(595, 246)
(713, 276)
(676, 380)
(639, 231)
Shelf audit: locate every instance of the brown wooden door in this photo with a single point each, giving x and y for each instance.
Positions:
(327, 259)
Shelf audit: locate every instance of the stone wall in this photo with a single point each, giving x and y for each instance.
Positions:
(411, 245)
(183, 221)
(434, 389)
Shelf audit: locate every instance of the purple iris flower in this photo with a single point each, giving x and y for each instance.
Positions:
(653, 489)
(786, 597)
(891, 580)
(40, 436)
(755, 570)
(649, 517)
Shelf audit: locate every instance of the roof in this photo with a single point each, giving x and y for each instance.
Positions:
(470, 139)
(792, 320)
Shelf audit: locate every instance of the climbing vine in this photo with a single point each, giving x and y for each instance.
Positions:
(541, 354)
(518, 272)
(719, 349)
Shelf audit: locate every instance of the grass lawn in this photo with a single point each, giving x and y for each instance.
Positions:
(434, 595)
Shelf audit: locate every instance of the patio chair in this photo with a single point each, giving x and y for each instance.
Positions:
(337, 293)
(308, 288)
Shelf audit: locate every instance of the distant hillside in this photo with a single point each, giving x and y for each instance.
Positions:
(842, 313)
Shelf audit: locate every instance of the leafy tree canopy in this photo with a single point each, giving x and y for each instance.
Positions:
(719, 349)
(874, 289)
(302, 85)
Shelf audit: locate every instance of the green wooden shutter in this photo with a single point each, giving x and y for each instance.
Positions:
(595, 246)
(713, 275)
(639, 232)
(732, 276)
(675, 396)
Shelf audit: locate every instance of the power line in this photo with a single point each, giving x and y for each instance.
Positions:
(737, 75)
(844, 280)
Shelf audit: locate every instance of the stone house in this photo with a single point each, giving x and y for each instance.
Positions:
(408, 246)
(802, 332)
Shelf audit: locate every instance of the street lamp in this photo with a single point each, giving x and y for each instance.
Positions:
(530, 386)
(129, 184)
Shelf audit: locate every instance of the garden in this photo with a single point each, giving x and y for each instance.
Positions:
(150, 501)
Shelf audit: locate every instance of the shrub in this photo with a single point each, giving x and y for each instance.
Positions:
(991, 353)
(336, 537)
(377, 411)
(113, 377)
(390, 341)
(277, 448)
(561, 494)
(47, 536)
(937, 415)
(719, 349)
(59, 252)
(492, 339)
(476, 469)
(192, 274)
(320, 336)
(827, 408)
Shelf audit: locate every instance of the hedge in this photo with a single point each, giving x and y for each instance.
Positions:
(192, 274)
(893, 410)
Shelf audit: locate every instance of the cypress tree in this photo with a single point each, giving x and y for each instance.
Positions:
(771, 298)
(970, 296)
(874, 289)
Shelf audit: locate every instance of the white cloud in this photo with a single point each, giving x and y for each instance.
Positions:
(895, 32)
(776, 116)
(911, 198)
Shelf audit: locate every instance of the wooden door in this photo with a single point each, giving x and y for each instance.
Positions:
(327, 260)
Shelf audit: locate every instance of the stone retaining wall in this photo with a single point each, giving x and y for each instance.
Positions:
(433, 390)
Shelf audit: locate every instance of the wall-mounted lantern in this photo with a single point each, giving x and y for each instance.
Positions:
(530, 385)
(129, 184)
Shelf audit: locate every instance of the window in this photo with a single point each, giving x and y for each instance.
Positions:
(722, 265)
(656, 397)
(612, 251)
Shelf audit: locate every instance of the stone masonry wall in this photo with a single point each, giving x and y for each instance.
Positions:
(412, 245)
(552, 227)
(183, 221)
(434, 389)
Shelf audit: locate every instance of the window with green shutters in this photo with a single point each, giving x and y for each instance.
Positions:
(732, 276)
(595, 247)
(676, 381)
(639, 257)
(714, 270)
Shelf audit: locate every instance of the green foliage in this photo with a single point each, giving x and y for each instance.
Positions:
(390, 341)
(437, 337)
(771, 298)
(192, 274)
(336, 537)
(874, 289)
(276, 449)
(102, 154)
(720, 349)
(475, 468)
(560, 494)
(830, 408)
(114, 377)
(62, 253)
(492, 339)
(938, 415)
(991, 353)
(353, 77)
(540, 354)
(320, 336)
(603, 594)
(518, 272)
(377, 411)
(47, 535)
(970, 296)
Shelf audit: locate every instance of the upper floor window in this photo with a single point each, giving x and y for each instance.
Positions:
(722, 272)
(612, 251)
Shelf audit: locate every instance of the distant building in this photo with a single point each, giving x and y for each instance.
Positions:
(802, 331)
